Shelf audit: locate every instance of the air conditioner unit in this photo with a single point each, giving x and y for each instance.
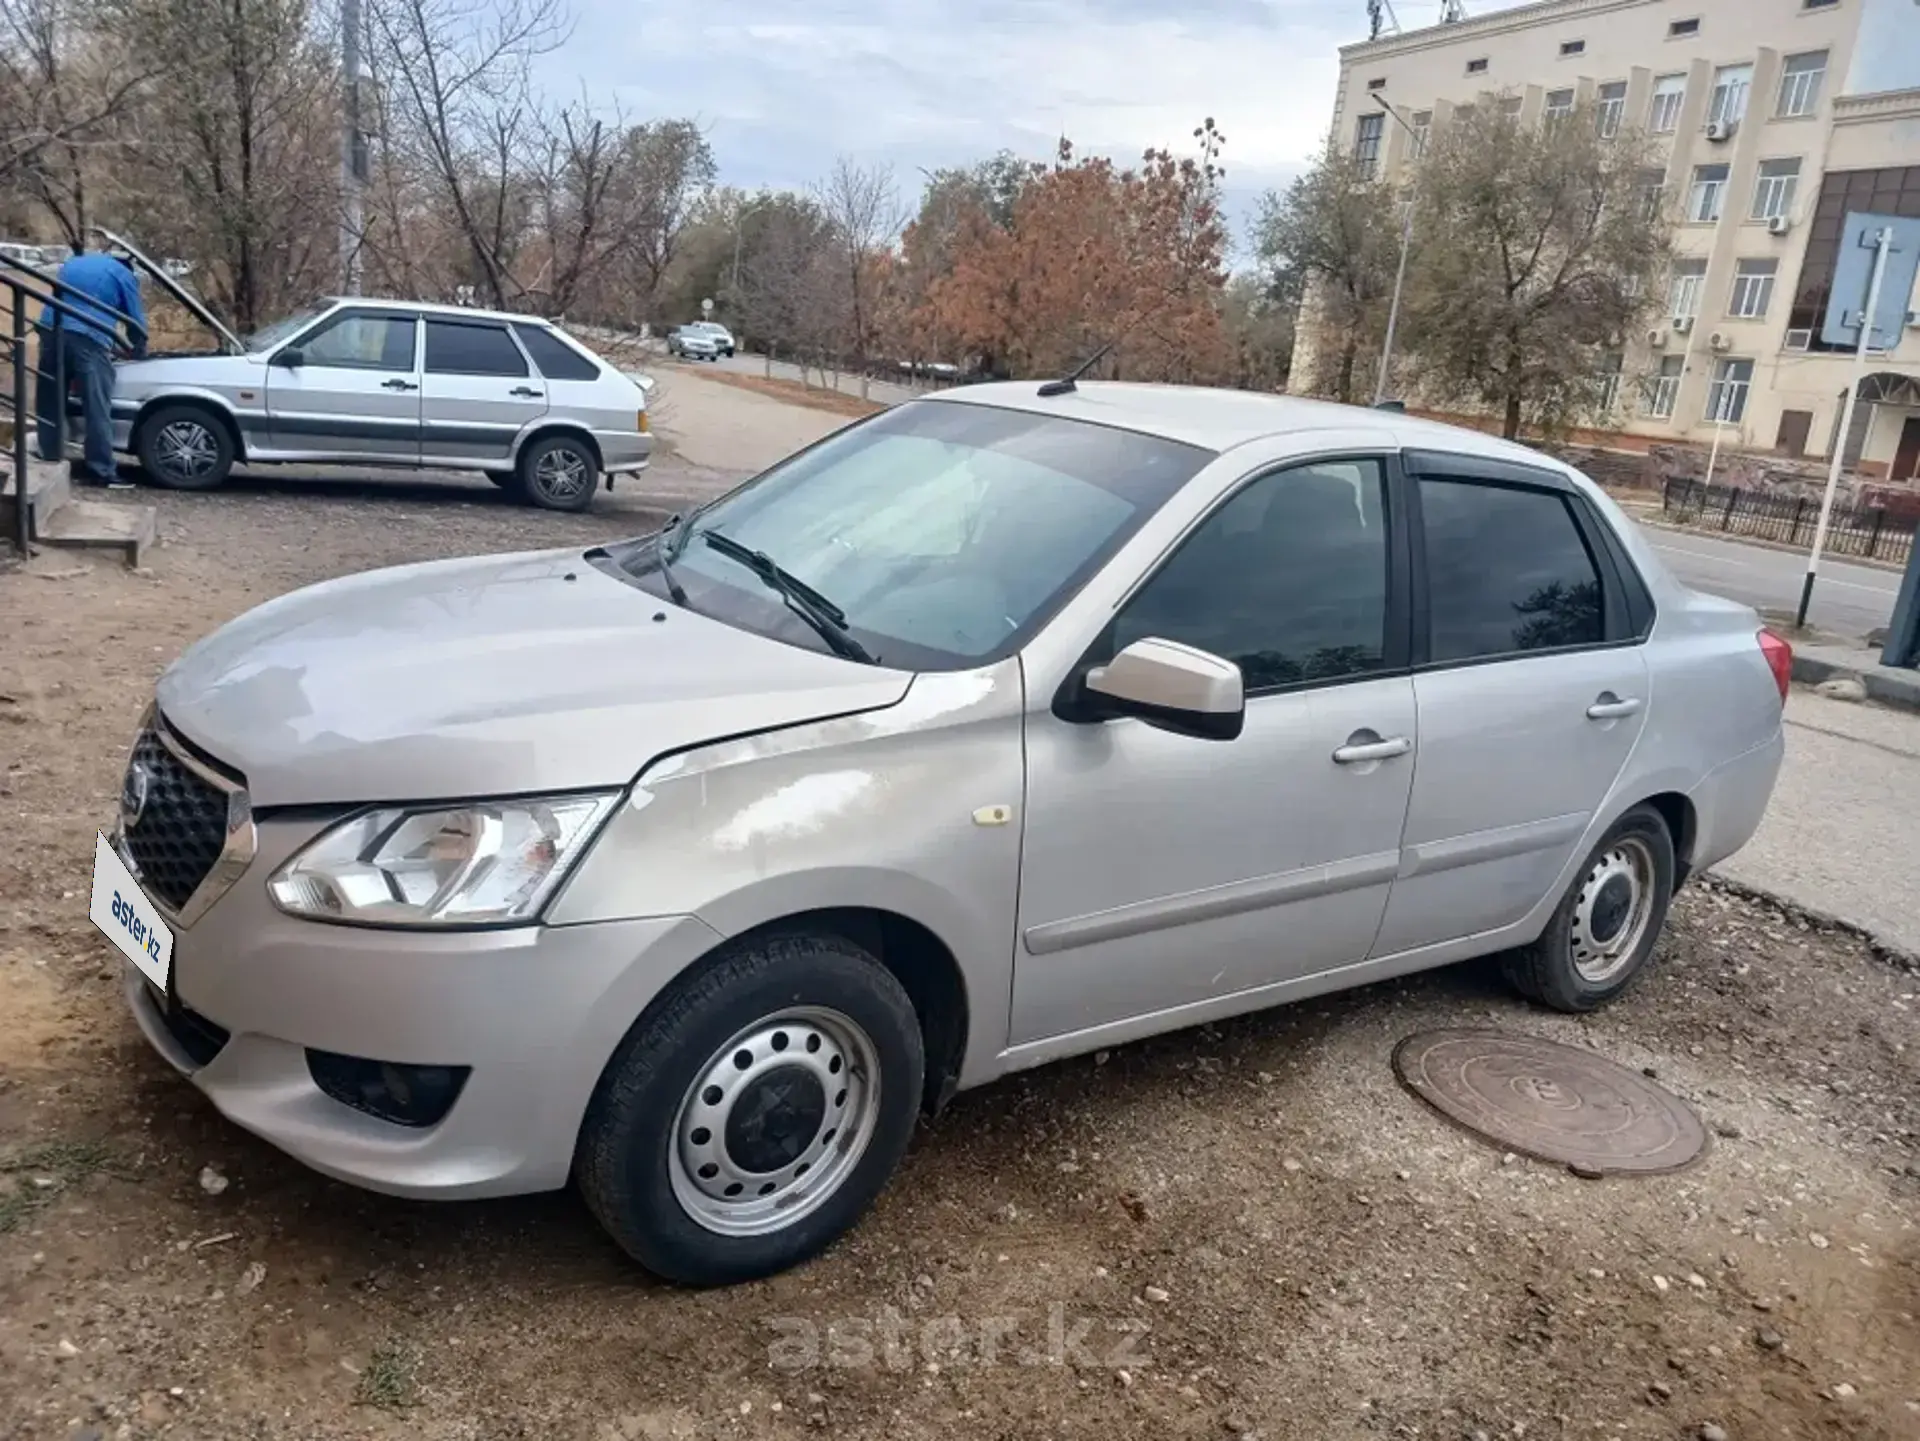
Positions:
(1799, 340)
(1779, 225)
(1682, 324)
(1657, 339)
(1720, 131)
(1720, 340)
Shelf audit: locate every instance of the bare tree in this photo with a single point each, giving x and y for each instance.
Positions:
(453, 77)
(234, 162)
(65, 92)
(863, 206)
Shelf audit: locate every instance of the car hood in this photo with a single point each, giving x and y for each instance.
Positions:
(488, 676)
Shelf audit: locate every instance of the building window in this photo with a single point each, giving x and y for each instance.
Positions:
(1422, 128)
(1669, 94)
(1477, 67)
(1730, 86)
(1510, 106)
(1753, 289)
(1366, 143)
(1573, 47)
(1727, 394)
(1818, 4)
(1683, 292)
(1380, 84)
(1775, 188)
(1653, 193)
(1800, 84)
(1608, 376)
(1613, 104)
(1681, 29)
(1663, 389)
(1709, 193)
(1559, 104)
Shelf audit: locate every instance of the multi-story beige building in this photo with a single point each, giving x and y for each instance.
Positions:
(1774, 118)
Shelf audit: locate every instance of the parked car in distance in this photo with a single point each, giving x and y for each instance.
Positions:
(721, 336)
(998, 727)
(691, 342)
(386, 383)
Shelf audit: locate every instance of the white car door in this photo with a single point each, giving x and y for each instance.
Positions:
(1163, 873)
(1532, 688)
(348, 389)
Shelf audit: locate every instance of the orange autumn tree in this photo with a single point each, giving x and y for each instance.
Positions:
(1093, 254)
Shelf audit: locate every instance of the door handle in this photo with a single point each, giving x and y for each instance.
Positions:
(525, 391)
(1610, 707)
(398, 385)
(1357, 752)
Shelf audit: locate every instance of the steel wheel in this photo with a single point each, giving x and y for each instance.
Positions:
(186, 450)
(1612, 910)
(775, 1122)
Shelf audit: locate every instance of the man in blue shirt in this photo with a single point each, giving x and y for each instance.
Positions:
(86, 340)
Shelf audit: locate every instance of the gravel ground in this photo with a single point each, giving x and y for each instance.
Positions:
(1248, 1229)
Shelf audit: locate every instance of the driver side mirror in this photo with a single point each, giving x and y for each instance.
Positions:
(1171, 687)
(293, 357)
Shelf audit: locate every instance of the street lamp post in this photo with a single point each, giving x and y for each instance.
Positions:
(1400, 276)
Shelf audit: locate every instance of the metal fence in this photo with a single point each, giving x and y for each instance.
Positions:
(1867, 531)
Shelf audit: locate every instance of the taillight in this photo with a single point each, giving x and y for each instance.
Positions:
(1779, 660)
(643, 423)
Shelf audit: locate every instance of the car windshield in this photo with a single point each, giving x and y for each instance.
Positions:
(946, 533)
(268, 336)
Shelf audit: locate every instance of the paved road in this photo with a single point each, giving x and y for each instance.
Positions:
(1848, 600)
(879, 391)
(1844, 826)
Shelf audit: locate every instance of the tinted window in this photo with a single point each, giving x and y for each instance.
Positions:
(557, 360)
(1288, 579)
(947, 533)
(458, 348)
(1507, 570)
(363, 342)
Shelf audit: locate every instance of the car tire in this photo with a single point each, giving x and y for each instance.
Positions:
(558, 472)
(1605, 928)
(698, 1167)
(184, 447)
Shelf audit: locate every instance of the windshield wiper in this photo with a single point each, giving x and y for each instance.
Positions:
(827, 619)
(665, 548)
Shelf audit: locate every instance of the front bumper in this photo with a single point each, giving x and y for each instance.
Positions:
(535, 1012)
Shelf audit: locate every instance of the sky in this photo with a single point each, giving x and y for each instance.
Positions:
(782, 87)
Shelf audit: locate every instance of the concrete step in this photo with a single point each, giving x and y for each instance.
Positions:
(48, 488)
(101, 525)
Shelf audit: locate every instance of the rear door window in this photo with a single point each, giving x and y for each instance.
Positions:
(460, 347)
(1508, 572)
(557, 360)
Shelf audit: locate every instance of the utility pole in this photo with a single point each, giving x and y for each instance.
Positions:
(1406, 244)
(1883, 249)
(353, 149)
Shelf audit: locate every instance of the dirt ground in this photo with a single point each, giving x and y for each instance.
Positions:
(1248, 1229)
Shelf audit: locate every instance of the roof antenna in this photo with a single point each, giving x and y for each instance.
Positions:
(1066, 385)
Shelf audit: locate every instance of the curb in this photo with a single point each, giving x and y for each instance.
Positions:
(1898, 957)
(1887, 687)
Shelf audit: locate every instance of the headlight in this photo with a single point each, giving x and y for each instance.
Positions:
(490, 863)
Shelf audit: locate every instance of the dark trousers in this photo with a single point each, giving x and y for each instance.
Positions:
(86, 364)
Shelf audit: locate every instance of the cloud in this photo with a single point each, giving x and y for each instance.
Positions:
(784, 87)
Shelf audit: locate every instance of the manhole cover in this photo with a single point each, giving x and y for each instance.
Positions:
(1552, 1102)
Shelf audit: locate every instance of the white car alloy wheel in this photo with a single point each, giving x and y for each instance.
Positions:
(775, 1122)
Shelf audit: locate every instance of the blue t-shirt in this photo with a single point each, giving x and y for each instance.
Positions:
(95, 276)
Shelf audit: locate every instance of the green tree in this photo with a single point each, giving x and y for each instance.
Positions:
(1540, 250)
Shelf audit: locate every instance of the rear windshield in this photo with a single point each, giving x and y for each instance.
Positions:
(947, 533)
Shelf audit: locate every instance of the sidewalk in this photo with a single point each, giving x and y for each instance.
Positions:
(1842, 837)
(1815, 662)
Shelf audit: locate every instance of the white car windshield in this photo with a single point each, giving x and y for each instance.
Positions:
(946, 533)
(270, 335)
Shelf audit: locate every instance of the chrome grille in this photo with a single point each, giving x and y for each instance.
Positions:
(174, 821)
